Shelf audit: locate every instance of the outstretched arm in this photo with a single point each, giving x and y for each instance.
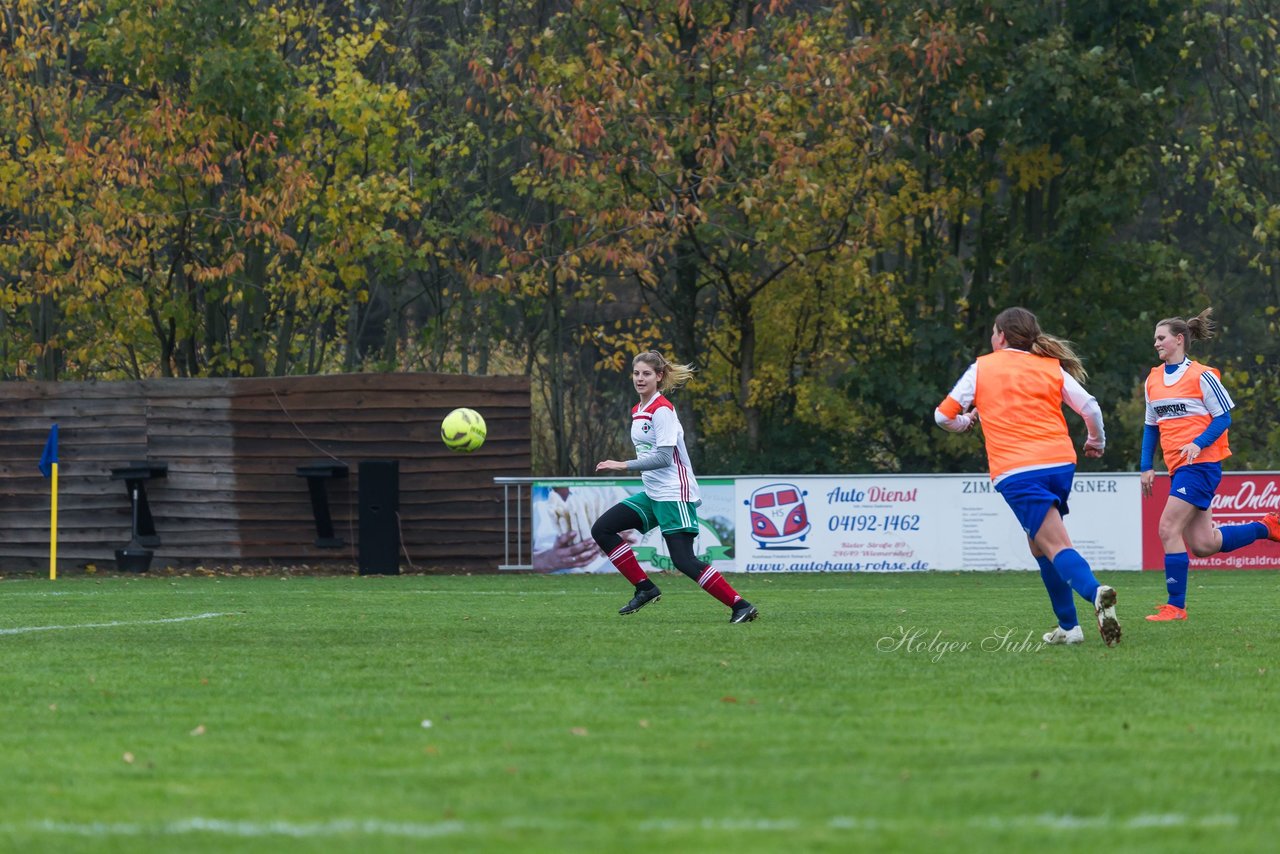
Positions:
(648, 461)
(655, 459)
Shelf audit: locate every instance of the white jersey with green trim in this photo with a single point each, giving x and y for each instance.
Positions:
(654, 424)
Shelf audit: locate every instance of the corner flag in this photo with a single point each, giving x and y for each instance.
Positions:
(49, 458)
(49, 468)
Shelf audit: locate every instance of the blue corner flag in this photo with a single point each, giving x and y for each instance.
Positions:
(50, 456)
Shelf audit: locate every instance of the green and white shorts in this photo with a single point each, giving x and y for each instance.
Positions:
(671, 516)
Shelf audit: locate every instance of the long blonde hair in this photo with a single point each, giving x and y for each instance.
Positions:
(673, 375)
(1022, 332)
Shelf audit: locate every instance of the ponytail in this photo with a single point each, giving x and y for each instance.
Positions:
(1022, 332)
(673, 375)
(1199, 328)
(1060, 349)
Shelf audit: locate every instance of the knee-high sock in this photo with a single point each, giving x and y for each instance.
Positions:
(1175, 577)
(713, 582)
(624, 560)
(1064, 607)
(1235, 536)
(1075, 570)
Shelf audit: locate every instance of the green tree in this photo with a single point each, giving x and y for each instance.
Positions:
(219, 176)
(1223, 206)
(723, 159)
(1051, 209)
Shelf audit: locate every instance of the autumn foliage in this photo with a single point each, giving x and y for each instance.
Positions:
(821, 205)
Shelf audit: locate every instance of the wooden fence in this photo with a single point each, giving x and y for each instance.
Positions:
(233, 446)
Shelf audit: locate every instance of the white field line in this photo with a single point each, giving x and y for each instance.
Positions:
(48, 593)
(221, 827)
(433, 830)
(45, 594)
(1048, 820)
(22, 630)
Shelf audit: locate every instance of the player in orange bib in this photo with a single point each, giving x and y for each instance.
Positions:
(1188, 413)
(1019, 389)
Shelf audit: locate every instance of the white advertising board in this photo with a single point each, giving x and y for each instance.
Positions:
(905, 523)
(847, 523)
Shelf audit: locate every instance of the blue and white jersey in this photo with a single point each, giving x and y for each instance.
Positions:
(654, 424)
(1212, 400)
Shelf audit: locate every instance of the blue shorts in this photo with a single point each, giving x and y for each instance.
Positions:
(1195, 483)
(1031, 494)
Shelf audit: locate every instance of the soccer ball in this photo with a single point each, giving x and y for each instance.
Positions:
(463, 430)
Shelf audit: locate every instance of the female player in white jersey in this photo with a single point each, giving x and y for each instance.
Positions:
(1188, 413)
(670, 497)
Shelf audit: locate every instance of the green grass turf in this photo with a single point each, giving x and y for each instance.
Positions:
(296, 721)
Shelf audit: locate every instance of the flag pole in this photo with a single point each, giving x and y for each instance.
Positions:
(49, 468)
(53, 527)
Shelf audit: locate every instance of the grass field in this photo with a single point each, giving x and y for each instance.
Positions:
(520, 713)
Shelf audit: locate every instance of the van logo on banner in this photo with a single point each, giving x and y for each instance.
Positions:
(778, 515)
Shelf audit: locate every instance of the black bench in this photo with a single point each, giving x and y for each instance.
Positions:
(317, 475)
(136, 556)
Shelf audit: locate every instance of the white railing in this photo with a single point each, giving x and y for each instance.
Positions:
(522, 487)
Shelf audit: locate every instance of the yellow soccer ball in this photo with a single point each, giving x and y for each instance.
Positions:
(463, 430)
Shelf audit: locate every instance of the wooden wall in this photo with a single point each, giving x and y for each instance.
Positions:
(232, 495)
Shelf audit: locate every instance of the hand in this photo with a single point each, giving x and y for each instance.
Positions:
(1189, 452)
(568, 553)
(1148, 477)
(611, 465)
(961, 423)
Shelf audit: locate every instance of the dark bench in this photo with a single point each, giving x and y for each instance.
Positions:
(317, 475)
(136, 556)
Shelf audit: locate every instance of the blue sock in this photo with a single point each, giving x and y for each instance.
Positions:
(1075, 570)
(1235, 536)
(1175, 577)
(1064, 608)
